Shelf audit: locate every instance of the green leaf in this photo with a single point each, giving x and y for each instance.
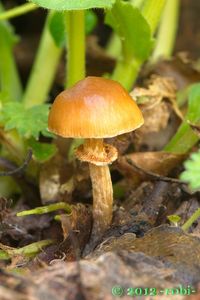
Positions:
(185, 138)
(90, 21)
(28, 122)
(74, 4)
(132, 28)
(57, 26)
(174, 219)
(57, 29)
(192, 171)
(42, 151)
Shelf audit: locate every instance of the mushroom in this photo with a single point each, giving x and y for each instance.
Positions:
(96, 108)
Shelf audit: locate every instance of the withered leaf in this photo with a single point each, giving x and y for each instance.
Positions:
(160, 162)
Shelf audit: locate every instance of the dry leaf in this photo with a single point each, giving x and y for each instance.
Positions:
(159, 162)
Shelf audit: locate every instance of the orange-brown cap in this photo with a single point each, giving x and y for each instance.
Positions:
(95, 107)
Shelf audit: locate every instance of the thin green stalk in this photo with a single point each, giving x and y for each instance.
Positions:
(10, 87)
(152, 10)
(75, 27)
(167, 31)
(10, 84)
(126, 72)
(183, 140)
(137, 3)
(32, 249)
(28, 251)
(46, 209)
(113, 48)
(191, 220)
(18, 11)
(44, 69)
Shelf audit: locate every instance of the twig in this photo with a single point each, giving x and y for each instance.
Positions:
(153, 175)
(9, 165)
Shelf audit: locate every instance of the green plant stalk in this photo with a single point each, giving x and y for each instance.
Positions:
(152, 10)
(137, 3)
(44, 69)
(75, 28)
(9, 78)
(191, 220)
(183, 140)
(28, 251)
(167, 31)
(75, 55)
(10, 87)
(113, 48)
(32, 249)
(126, 70)
(46, 209)
(18, 11)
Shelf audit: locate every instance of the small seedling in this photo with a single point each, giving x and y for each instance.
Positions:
(174, 219)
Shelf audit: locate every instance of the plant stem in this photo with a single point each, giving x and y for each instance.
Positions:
(32, 249)
(46, 209)
(9, 78)
(44, 69)
(183, 140)
(167, 31)
(126, 72)
(20, 10)
(191, 220)
(28, 251)
(113, 48)
(137, 3)
(75, 27)
(152, 10)
(10, 85)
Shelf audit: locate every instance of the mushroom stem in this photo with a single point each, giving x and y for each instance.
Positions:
(94, 146)
(102, 198)
(99, 155)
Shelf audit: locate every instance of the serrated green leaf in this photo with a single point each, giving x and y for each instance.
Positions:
(192, 171)
(42, 151)
(28, 122)
(74, 4)
(132, 28)
(58, 30)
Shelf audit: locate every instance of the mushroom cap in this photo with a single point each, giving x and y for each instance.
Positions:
(94, 107)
